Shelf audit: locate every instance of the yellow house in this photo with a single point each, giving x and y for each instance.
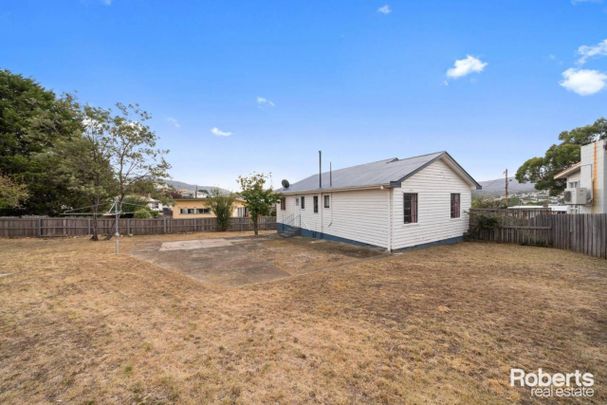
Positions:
(198, 208)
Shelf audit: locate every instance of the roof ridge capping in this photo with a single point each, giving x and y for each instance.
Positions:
(396, 159)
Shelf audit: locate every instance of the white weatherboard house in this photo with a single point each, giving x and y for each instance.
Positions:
(586, 181)
(393, 203)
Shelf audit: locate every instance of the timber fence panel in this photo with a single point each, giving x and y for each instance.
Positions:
(14, 227)
(583, 233)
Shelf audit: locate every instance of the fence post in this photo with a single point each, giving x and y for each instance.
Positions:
(164, 224)
(40, 227)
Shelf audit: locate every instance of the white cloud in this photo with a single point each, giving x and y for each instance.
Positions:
(173, 122)
(218, 132)
(385, 9)
(590, 51)
(583, 81)
(466, 66)
(264, 102)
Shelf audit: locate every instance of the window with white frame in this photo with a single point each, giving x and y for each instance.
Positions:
(455, 205)
(410, 208)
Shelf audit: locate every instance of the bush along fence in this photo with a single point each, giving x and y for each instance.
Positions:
(584, 233)
(62, 227)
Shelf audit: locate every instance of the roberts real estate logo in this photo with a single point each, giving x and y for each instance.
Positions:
(563, 385)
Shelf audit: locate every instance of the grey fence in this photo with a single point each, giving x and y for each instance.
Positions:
(62, 227)
(584, 233)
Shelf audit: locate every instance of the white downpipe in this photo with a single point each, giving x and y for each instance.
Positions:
(390, 190)
(321, 208)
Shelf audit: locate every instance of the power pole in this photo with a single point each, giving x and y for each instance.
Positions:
(506, 186)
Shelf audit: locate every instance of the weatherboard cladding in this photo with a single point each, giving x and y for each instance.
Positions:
(383, 172)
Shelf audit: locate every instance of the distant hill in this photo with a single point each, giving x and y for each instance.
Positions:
(496, 187)
(191, 187)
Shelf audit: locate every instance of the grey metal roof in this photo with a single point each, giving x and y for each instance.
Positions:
(387, 172)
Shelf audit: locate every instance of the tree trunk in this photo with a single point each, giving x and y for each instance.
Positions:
(254, 218)
(95, 235)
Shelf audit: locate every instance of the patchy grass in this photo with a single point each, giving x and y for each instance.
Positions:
(441, 325)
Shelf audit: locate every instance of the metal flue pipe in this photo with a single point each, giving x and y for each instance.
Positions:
(319, 169)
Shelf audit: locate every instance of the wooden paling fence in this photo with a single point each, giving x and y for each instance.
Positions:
(584, 233)
(43, 227)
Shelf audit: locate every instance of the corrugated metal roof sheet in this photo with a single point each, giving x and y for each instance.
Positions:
(378, 173)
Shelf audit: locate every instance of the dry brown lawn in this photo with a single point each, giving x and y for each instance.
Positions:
(441, 325)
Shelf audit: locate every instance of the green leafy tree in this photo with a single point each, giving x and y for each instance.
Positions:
(157, 190)
(490, 202)
(133, 205)
(142, 213)
(85, 166)
(221, 204)
(129, 145)
(132, 150)
(11, 193)
(258, 199)
(541, 170)
(33, 121)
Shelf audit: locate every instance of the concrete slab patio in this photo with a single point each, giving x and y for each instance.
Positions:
(198, 244)
(239, 261)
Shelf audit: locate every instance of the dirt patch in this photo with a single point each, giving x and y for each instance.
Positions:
(239, 261)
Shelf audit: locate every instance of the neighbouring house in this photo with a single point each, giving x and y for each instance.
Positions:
(156, 205)
(194, 193)
(199, 208)
(586, 181)
(393, 203)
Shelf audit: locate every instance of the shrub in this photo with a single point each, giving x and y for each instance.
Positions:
(142, 213)
(486, 223)
(221, 204)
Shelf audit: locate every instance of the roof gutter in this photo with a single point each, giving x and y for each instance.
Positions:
(338, 190)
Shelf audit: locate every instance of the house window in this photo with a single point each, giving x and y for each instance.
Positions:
(455, 205)
(303, 203)
(315, 199)
(410, 208)
(297, 201)
(283, 204)
(574, 184)
(183, 211)
(327, 201)
(242, 212)
(203, 210)
(191, 210)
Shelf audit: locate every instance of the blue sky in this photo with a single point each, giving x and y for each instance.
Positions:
(241, 86)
